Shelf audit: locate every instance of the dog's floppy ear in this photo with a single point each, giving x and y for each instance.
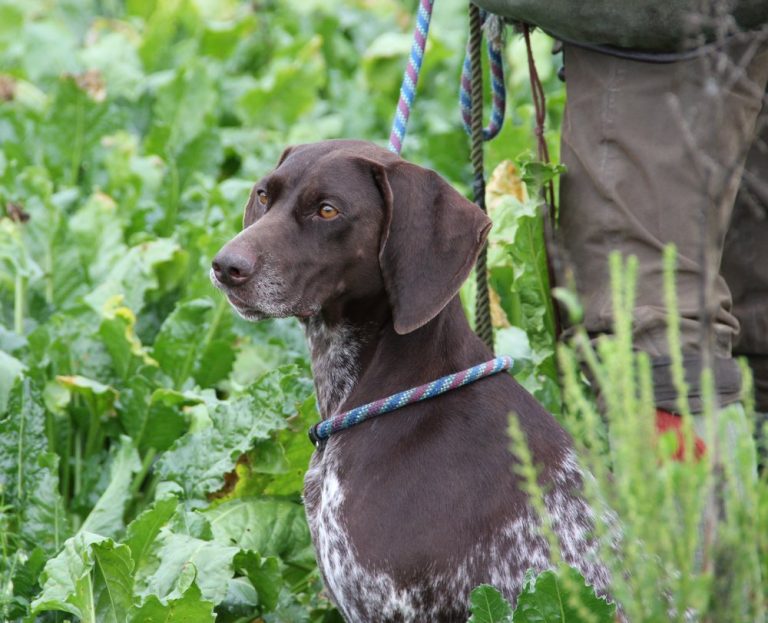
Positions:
(286, 152)
(431, 238)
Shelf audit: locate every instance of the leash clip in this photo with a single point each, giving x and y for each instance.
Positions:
(316, 441)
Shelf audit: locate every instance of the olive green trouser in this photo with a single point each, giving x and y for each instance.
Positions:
(648, 148)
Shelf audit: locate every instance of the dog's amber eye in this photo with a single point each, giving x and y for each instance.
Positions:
(263, 198)
(327, 211)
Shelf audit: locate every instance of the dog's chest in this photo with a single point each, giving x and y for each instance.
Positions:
(347, 581)
(360, 592)
(389, 588)
(364, 592)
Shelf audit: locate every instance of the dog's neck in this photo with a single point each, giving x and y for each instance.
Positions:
(363, 349)
(335, 351)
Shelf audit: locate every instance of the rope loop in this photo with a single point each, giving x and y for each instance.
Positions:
(494, 29)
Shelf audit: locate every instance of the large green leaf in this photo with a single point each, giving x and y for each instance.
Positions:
(114, 55)
(194, 341)
(94, 235)
(106, 518)
(296, 452)
(182, 109)
(77, 119)
(46, 48)
(118, 333)
(263, 574)
(163, 22)
(25, 585)
(179, 342)
(268, 527)
(91, 578)
(154, 418)
(488, 606)
(147, 267)
(198, 460)
(42, 517)
(182, 557)
(560, 597)
(28, 473)
(11, 22)
(191, 607)
(15, 257)
(10, 369)
(144, 530)
(295, 80)
(67, 345)
(99, 398)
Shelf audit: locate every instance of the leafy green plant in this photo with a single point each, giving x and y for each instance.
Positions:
(554, 596)
(518, 274)
(152, 445)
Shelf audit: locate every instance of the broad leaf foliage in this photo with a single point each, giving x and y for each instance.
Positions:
(152, 444)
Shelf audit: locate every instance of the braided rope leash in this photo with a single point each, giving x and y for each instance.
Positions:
(324, 429)
(411, 77)
(413, 71)
(472, 106)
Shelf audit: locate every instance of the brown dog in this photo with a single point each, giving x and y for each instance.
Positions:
(411, 510)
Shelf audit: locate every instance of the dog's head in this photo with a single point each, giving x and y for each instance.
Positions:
(341, 221)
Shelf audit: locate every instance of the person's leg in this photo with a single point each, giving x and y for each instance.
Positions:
(637, 140)
(745, 265)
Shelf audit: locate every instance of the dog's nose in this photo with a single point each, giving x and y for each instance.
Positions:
(232, 269)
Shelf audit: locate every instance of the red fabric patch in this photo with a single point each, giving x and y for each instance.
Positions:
(666, 421)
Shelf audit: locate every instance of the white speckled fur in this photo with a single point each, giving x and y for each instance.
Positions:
(334, 362)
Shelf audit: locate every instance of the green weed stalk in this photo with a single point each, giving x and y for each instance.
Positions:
(691, 543)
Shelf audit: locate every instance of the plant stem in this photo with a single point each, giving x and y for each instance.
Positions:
(217, 314)
(50, 431)
(89, 612)
(78, 465)
(173, 204)
(142, 473)
(215, 321)
(64, 465)
(49, 274)
(19, 303)
(77, 146)
(92, 439)
(20, 447)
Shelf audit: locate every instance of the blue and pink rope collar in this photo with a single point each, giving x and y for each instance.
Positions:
(341, 421)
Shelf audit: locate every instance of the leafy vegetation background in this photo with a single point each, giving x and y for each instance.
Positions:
(152, 445)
